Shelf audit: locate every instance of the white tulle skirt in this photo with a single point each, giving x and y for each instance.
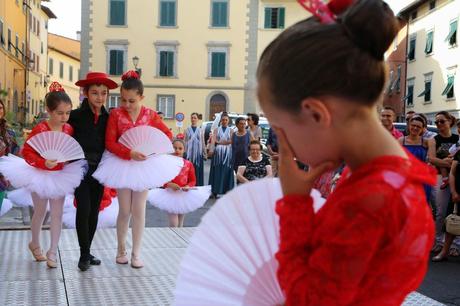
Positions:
(107, 217)
(153, 172)
(20, 197)
(47, 184)
(179, 202)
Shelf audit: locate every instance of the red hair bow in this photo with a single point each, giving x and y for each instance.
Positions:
(326, 13)
(55, 86)
(130, 74)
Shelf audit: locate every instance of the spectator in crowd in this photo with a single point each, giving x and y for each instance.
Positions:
(417, 144)
(427, 133)
(7, 145)
(388, 116)
(221, 176)
(256, 166)
(441, 159)
(240, 143)
(409, 115)
(195, 147)
(272, 146)
(455, 189)
(161, 114)
(255, 131)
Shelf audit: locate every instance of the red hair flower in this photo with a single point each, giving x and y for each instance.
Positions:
(130, 74)
(326, 13)
(55, 86)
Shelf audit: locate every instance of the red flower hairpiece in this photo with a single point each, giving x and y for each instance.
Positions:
(55, 86)
(326, 13)
(130, 74)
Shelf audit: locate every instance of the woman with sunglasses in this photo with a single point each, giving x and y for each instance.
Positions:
(415, 143)
(443, 162)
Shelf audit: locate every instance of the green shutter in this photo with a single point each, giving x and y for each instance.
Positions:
(268, 18)
(214, 64)
(224, 14)
(166, 63)
(117, 12)
(167, 13)
(163, 12)
(218, 64)
(120, 55)
(429, 43)
(116, 62)
(170, 66)
(219, 14)
(450, 84)
(172, 14)
(163, 61)
(452, 32)
(215, 14)
(411, 54)
(281, 15)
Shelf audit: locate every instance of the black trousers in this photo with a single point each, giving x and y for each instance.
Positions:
(88, 196)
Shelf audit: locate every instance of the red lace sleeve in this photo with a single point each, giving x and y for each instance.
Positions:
(191, 182)
(331, 270)
(31, 156)
(111, 138)
(159, 124)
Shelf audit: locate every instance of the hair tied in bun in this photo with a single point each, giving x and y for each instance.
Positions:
(131, 74)
(326, 13)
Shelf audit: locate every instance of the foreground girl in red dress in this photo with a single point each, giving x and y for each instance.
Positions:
(319, 84)
(47, 180)
(131, 193)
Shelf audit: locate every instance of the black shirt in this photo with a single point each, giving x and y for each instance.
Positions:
(89, 133)
(443, 145)
(256, 170)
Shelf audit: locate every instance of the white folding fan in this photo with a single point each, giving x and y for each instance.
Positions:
(57, 146)
(230, 259)
(146, 140)
(5, 207)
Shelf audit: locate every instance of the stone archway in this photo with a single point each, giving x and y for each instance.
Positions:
(217, 104)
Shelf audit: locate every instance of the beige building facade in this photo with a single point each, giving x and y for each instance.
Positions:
(64, 64)
(433, 56)
(195, 56)
(13, 60)
(38, 80)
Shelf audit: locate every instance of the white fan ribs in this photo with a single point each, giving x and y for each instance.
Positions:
(146, 140)
(57, 146)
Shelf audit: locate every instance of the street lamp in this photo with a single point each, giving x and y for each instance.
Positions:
(135, 63)
(46, 80)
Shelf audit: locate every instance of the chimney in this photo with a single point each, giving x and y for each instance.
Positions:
(78, 35)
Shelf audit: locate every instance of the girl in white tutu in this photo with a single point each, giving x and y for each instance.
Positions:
(47, 180)
(131, 172)
(179, 196)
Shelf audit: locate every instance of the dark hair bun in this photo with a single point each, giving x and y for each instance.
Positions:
(371, 25)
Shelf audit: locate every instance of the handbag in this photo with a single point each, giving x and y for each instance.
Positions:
(453, 222)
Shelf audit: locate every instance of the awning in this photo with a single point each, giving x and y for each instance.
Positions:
(429, 43)
(423, 93)
(452, 31)
(450, 84)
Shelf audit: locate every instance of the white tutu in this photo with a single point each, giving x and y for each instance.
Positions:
(47, 184)
(107, 217)
(20, 197)
(153, 172)
(6, 206)
(179, 202)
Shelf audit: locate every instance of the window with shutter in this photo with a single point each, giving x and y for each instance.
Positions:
(117, 12)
